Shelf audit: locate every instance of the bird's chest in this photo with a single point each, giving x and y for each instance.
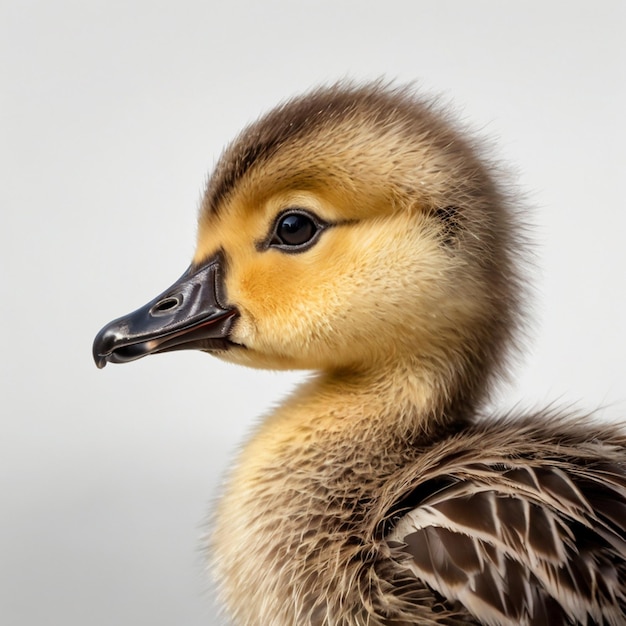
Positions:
(297, 543)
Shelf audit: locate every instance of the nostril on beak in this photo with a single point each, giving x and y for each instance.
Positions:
(166, 306)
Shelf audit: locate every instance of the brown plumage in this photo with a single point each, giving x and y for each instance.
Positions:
(356, 231)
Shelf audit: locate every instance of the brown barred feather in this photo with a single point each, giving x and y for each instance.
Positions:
(521, 553)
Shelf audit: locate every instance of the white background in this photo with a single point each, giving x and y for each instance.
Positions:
(111, 115)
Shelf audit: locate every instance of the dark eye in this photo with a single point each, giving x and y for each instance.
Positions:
(295, 230)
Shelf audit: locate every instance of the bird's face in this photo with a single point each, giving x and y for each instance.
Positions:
(358, 242)
(308, 278)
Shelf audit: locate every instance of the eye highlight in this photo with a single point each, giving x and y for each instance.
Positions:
(295, 230)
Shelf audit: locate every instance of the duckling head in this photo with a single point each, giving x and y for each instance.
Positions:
(353, 230)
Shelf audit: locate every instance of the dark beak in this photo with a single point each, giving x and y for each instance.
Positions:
(188, 315)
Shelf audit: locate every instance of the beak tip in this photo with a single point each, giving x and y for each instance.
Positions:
(102, 345)
(99, 359)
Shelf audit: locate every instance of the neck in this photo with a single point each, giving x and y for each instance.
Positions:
(356, 407)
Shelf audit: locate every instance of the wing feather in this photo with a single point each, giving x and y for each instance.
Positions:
(523, 544)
